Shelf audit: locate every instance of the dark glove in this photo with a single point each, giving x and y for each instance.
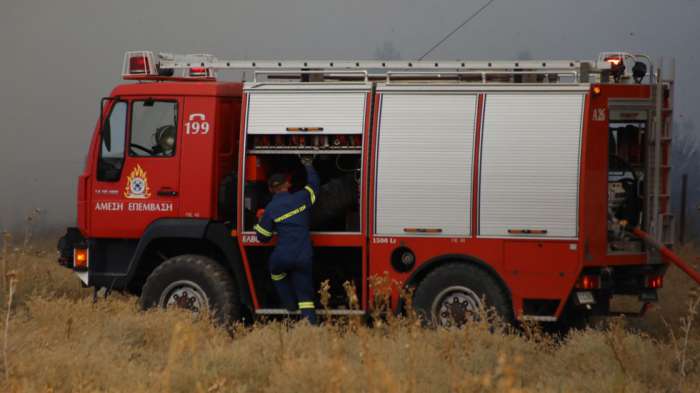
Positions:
(306, 160)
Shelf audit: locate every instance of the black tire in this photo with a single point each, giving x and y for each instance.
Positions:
(180, 279)
(465, 283)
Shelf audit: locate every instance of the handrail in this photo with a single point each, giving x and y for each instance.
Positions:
(362, 73)
(484, 73)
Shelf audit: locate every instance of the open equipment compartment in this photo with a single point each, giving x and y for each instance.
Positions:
(337, 208)
(627, 181)
(283, 122)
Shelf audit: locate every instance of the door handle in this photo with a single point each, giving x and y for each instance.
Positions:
(167, 191)
(527, 231)
(423, 230)
(304, 129)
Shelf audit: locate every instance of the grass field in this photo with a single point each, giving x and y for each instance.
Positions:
(59, 340)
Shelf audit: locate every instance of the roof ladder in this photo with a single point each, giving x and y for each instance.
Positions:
(577, 71)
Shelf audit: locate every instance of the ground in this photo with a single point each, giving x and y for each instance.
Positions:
(59, 340)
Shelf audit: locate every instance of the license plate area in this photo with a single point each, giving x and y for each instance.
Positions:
(584, 297)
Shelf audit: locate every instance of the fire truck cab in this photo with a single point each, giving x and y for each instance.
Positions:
(507, 184)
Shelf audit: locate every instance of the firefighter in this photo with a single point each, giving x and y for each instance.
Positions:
(290, 263)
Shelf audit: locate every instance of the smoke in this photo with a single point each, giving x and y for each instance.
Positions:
(60, 57)
(685, 158)
(387, 51)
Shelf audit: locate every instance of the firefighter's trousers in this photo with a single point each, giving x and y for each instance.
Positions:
(294, 283)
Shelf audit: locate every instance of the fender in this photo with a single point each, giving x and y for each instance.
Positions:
(189, 228)
(436, 262)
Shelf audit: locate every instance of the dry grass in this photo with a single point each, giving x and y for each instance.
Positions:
(60, 341)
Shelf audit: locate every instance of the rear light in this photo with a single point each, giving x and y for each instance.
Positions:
(655, 282)
(81, 257)
(588, 281)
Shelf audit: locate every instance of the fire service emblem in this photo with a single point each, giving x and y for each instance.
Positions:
(137, 184)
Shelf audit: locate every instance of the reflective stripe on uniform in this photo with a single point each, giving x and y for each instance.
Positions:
(306, 305)
(262, 230)
(312, 194)
(278, 277)
(290, 214)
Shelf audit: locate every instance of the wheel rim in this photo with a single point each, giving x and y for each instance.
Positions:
(456, 305)
(184, 294)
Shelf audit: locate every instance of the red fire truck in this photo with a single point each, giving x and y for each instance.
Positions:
(514, 183)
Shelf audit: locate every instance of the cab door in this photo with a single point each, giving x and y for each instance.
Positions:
(137, 175)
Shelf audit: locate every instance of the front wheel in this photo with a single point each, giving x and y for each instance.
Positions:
(456, 293)
(193, 282)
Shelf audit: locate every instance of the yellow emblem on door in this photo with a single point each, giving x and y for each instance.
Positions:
(137, 184)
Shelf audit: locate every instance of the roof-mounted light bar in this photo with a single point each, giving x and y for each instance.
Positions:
(625, 66)
(141, 65)
(138, 64)
(200, 69)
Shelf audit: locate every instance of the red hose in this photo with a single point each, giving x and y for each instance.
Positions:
(667, 254)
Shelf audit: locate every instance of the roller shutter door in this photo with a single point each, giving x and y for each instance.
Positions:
(530, 164)
(272, 112)
(425, 159)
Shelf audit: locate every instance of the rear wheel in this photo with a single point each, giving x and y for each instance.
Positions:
(454, 294)
(193, 282)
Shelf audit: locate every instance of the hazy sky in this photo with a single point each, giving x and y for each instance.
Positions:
(59, 57)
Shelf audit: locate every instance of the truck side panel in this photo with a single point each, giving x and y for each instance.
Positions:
(544, 260)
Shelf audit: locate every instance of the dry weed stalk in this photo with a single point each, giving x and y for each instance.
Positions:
(506, 376)
(615, 336)
(218, 386)
(182, 340)
(31, 219)
(680, 344)
(406, 296)
(351, 293)
(340, 370)
(381, 288)
(353, 303)
(325, 296)
(12, 281)
(6, 240)
(531, 330)
(280, 329)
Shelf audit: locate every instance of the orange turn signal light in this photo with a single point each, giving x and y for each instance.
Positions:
(596, 90)
(80, 258)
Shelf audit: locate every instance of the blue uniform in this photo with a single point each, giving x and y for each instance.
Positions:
(290, 263)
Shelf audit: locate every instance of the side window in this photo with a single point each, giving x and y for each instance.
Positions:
(112, 148)
(153, 129)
